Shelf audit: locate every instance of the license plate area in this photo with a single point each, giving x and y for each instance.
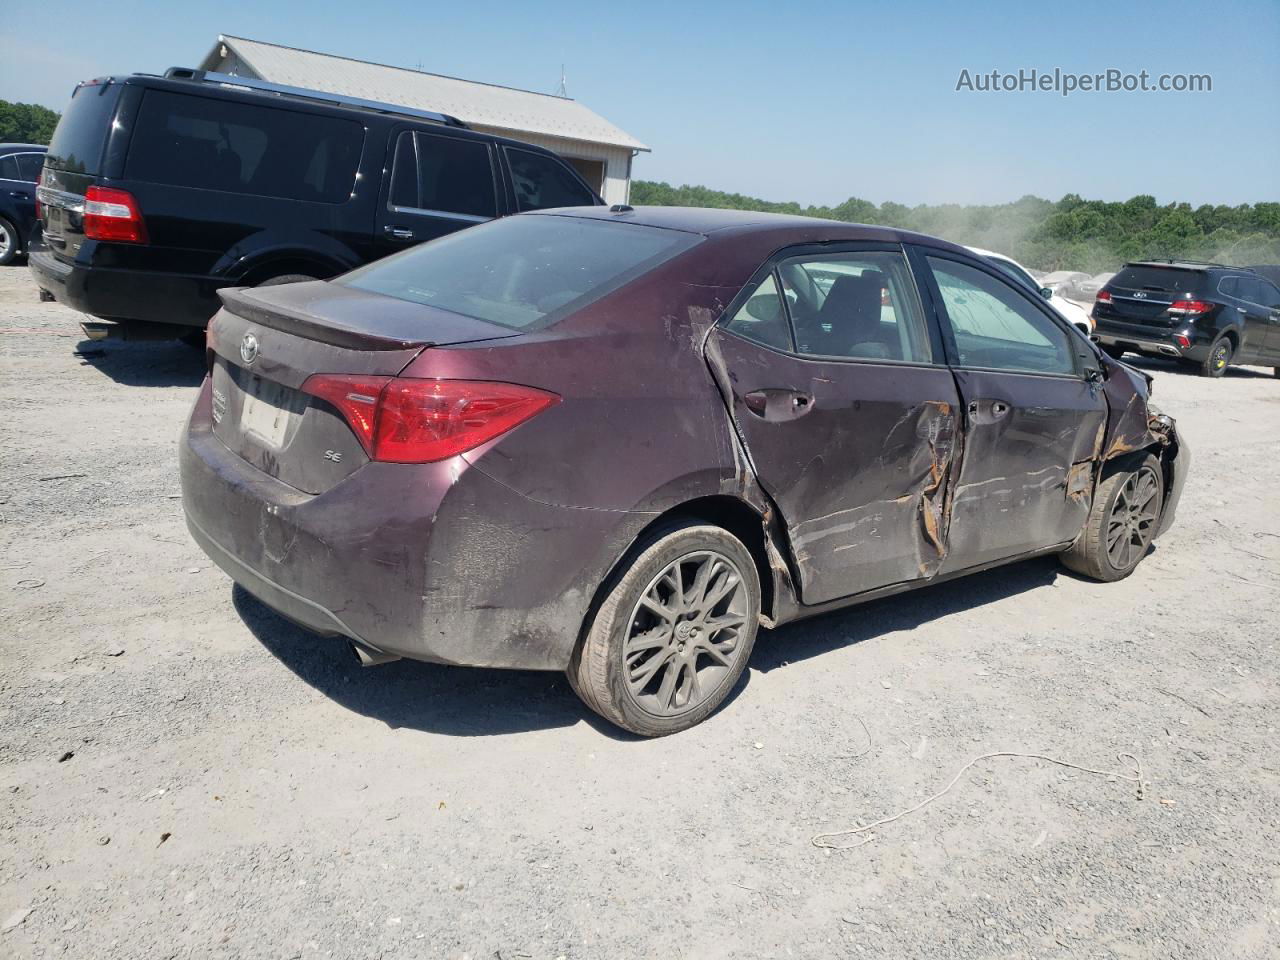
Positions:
(269, 410)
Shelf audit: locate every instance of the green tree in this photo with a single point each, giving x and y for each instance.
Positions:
(26, 123)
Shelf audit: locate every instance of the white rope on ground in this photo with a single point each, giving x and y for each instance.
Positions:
(827, 840)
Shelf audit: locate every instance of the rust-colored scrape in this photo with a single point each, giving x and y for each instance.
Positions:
(933, 496)
(1080, 481)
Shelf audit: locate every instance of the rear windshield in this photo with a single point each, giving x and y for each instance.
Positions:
(1164, 279)
(523, 271)
(217, 144)
(82, 132)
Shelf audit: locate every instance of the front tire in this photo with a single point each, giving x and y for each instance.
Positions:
(1219, 358)
(673, 632)
(1122, 523)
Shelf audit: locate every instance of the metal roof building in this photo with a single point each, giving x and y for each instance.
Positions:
(601, 152)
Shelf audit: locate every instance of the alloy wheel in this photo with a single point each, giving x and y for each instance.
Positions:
(1131, 524)
(686, 633)
(7, 241)
(1221, 354)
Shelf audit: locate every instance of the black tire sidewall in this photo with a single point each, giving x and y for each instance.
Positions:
(1147, 462)
(15, 245)
(637, 578)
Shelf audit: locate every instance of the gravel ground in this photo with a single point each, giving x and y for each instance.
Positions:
(182, 774)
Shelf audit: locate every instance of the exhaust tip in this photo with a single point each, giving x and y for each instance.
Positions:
(369, 657)
(99, 331)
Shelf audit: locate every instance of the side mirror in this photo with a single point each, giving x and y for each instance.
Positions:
(1046, 292)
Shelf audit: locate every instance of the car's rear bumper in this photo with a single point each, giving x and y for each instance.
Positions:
(114, 294)
(435, 562)
(1156, 341)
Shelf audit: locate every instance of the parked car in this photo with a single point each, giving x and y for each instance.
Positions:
(1074, 314)
(616, 442)
(160, 191)
(19, 169)
(1206, 314)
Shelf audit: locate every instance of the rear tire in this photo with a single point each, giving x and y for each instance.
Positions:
(1219, 358)
(10, 246)
(673, 632)
(1122, 522)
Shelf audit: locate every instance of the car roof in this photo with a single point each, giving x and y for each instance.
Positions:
(787, 228)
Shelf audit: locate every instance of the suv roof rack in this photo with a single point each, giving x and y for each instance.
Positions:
(1186, 261)
(302, 93)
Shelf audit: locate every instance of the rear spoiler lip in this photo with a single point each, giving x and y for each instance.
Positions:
(244, 302)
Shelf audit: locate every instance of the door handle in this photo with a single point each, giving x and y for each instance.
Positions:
(21, 194)
(398, 233)
(777, 404)
(1242, 309)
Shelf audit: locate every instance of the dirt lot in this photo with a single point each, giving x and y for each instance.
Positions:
(182, 774)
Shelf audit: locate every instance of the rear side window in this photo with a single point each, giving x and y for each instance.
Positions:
(82, 132)
(214, 144)
(522, 272)
(856, 306)
(29, 166)
(443, 174)
(544, 182)
(9, 168)
(995, 327)
(763, 318)
(1158, 279)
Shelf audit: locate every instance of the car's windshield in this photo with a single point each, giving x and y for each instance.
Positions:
(522, 271)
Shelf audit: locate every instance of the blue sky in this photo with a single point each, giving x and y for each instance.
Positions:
(803, 101)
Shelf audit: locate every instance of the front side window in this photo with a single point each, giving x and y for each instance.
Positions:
(1017, 273)
(522, 272)
(216, 144)
(1270, 294)
(543, 182)
(856, 306)
(995, 327)
(444, 175)
(763, 318)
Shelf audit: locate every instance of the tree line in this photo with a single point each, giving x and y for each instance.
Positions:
(1067, 234)
(26, 122)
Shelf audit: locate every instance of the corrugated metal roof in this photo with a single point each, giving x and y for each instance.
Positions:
(481, 103)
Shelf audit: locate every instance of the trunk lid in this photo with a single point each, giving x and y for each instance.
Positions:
(267, 341)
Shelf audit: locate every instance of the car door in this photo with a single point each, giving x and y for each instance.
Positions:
(1270, 296)
(1254, 318)
(1034, 414)
(438, 183)
(841, 398)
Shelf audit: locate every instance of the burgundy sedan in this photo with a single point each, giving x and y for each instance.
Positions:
(617, 442)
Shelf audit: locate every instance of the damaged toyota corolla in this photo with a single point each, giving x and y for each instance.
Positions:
(617, 442)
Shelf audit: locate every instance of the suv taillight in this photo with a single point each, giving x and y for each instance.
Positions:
(113, 215)
(1190, 308)
(402, 420)
(1103, 296)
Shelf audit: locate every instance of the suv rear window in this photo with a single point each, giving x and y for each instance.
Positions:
(522, 272)
(82, 132)
(216, 144)
(1164, 279)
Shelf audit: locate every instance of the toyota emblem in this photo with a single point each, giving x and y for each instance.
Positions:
(249, 348)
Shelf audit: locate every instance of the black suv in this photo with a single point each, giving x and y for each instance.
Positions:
(19, 167)
(1203, 313)
(158, 191)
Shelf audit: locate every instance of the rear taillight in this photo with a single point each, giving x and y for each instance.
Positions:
(113, 215)
(1103, 296)
(399, 420)
(1190, 308)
